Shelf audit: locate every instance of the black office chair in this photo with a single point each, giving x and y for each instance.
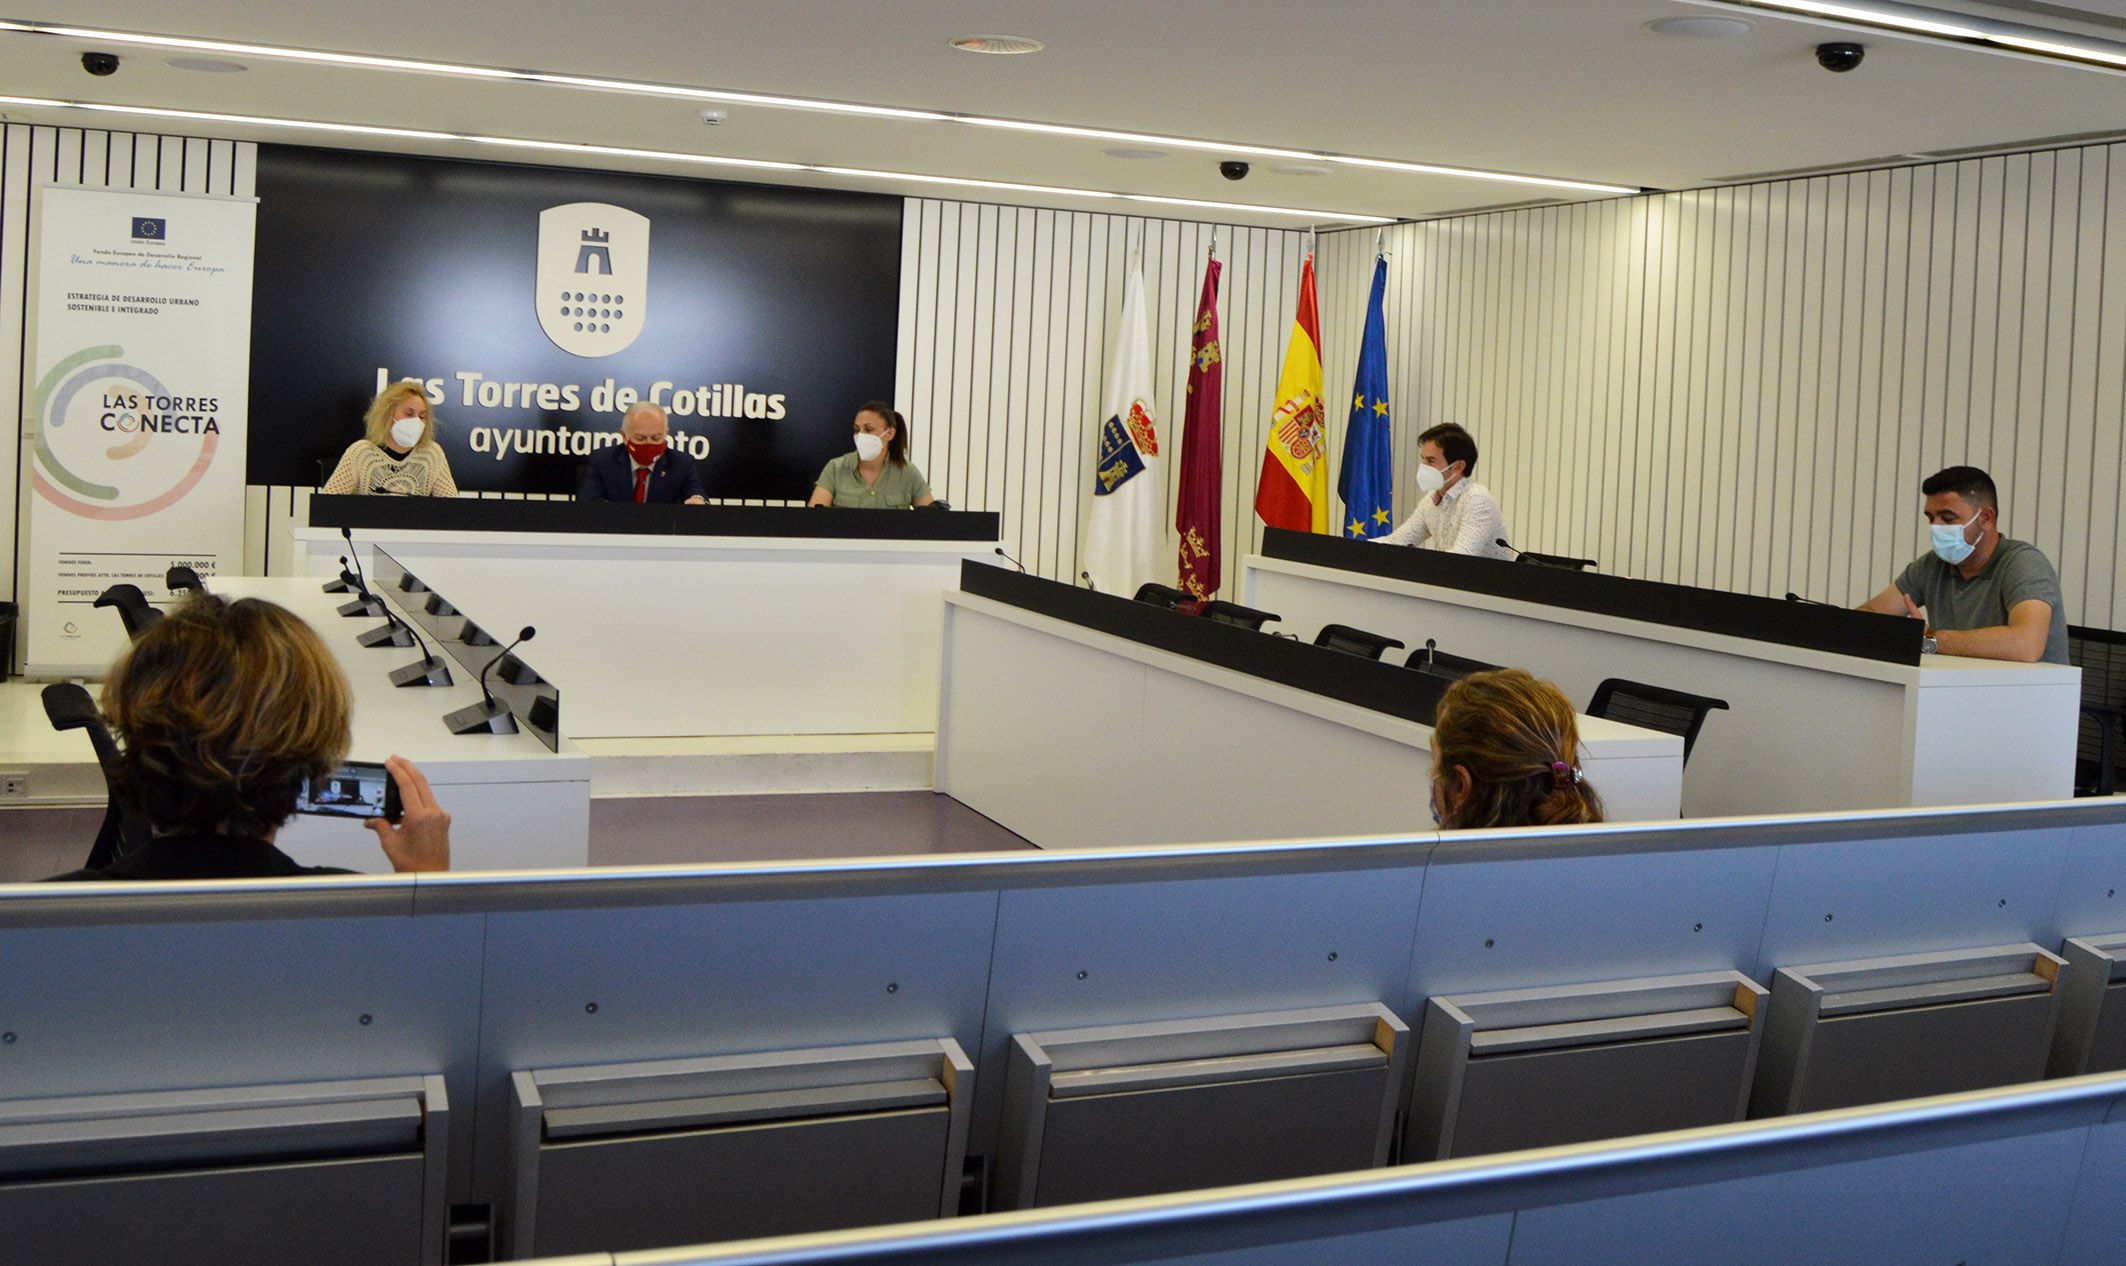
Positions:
(179, 579)
(1429, 658)
(2101, 655)
(1342, 637)
(1654, 708)
(132, 607)
(1162, 595)
(69, 707)
(1554, 560)
(1223, 612)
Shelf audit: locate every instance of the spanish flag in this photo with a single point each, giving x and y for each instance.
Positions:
(1294, 489)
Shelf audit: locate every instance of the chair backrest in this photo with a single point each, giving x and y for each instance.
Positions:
(1554, 560)
(181, 578)
(133, 608)
(1654, 708)
(68, 707)
(1233, 613)
(1161, 595)
(1342, 637)
(2101, 655)
(1429, 658)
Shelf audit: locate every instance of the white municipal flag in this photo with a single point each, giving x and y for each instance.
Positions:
(1125, 539)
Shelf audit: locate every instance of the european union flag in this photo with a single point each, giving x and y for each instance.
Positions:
(1366, 483)
(150, 228)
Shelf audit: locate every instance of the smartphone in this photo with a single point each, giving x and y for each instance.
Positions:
(356, 789)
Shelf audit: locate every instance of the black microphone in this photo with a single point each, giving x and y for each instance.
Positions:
(1811, 602)
(1009, 559)
(487, 716)
(345, 584)
(392, 632)
(525, 634)
(368, 604)
(1087, 577)
(347, 535)
(1501, 543)
(431, 671)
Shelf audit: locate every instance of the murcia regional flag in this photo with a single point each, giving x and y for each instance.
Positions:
(1294, 489)
(1125, 541)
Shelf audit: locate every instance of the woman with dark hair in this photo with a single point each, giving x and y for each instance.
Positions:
(878, 475)
(223, 712)
(1506, 752)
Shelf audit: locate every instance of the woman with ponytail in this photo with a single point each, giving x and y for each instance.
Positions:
(878, 474)
(1506, 752)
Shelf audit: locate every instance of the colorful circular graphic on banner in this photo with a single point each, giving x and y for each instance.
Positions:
(126, 449)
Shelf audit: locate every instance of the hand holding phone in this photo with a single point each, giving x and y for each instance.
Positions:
(421, 839)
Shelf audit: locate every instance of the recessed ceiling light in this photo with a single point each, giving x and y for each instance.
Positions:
(1299, 169)
(1001, 45)
(1700, 27)
(207, 65)
(1138, 155)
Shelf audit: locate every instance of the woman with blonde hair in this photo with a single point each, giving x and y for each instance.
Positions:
(1506, 752)
(398, 455)
(224, 711)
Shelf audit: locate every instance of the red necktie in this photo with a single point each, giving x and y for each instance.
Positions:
(642, 483)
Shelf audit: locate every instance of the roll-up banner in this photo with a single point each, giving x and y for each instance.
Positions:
(134, 408)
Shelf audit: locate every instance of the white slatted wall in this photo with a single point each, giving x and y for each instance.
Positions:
(33, 156)
(1004, 343)
(1742, 388)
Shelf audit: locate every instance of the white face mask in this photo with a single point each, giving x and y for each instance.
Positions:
(868, 447)
(1949, 543)
(406, 432)
(1430, 479)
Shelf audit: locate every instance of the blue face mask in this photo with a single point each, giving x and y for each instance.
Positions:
(1949, 543)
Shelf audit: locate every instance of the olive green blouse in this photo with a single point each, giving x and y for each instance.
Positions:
(897, 488)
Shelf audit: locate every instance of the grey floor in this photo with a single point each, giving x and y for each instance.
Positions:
(647, 831)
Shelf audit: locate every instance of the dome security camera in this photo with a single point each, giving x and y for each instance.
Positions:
(1233, 169)
(100, 64)
(1839, 57)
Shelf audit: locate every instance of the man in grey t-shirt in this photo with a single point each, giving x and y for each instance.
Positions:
(1983, 595)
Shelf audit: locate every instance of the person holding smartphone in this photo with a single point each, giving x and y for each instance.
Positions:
(226, 713)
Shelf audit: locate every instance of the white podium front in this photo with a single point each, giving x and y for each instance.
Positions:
(1078, 738)
(1808, 730)
(512, 803)
(668, 636)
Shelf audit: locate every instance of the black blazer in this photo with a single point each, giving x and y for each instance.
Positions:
(201, 857)
(610, 476)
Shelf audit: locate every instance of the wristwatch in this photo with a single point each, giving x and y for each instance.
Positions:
(1928, 646)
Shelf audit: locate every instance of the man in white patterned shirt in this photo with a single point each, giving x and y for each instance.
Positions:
(1454, 512)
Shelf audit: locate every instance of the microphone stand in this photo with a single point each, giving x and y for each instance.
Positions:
(488, 716)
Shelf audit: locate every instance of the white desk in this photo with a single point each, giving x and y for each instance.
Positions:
(1808, 730)
(663, 636)
(513, 804)
(1076, 738)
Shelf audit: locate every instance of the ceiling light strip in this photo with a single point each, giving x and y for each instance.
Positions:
(773, 101)
(674, 156)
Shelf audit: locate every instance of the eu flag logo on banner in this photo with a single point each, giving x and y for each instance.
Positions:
(1366, 483)
(150, 229)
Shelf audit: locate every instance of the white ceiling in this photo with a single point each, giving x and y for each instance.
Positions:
(1572, 89)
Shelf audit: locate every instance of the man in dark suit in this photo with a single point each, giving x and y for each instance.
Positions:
(642, 467)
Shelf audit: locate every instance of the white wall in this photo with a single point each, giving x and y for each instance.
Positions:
(1004, 343)
(1743, 387)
